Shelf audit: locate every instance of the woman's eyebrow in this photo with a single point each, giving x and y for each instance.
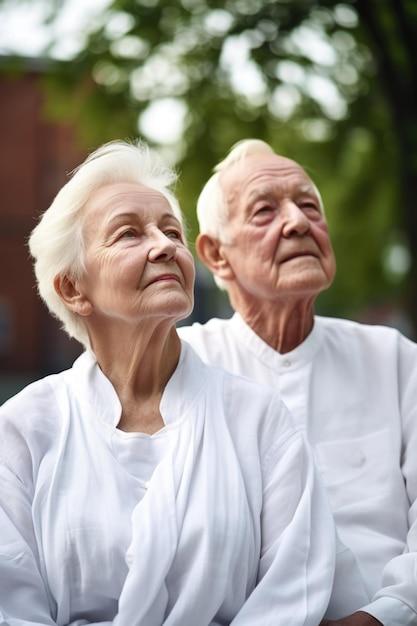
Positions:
(171, 217)
(131, 216)
(120, 218)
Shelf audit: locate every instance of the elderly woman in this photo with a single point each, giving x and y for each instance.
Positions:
(142, 487)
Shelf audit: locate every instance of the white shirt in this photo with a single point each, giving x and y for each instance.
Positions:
(353, 389)
(216, 519)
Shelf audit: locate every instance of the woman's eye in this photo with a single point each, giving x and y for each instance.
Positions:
(127, 234)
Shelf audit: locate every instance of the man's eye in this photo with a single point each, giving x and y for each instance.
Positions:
(173, 234)
(307, 205)
(263, 212)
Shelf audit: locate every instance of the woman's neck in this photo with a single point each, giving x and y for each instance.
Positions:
(139, 367)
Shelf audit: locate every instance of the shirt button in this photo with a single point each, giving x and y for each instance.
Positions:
(287, 363)
(129, 559)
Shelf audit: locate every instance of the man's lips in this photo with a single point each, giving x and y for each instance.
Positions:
(297, 255)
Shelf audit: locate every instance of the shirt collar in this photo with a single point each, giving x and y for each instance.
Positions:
(300, 356)
(182, 388)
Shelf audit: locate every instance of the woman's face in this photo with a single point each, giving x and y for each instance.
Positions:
(137, 263)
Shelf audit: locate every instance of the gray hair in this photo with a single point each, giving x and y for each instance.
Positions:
(57, 243)
(212, 207)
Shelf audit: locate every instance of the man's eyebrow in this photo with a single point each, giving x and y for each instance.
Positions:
(260, 193)
(269, 190)
(307, 188)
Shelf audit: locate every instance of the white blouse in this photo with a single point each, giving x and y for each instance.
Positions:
(216, 519)
(352, 388)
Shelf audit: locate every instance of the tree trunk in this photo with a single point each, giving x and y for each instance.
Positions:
(391, 26)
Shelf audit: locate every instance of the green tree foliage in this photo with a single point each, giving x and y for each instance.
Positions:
(331, 84)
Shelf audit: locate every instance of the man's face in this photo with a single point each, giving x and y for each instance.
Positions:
(277, 242)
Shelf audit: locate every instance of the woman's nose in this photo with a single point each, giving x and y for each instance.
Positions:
(161, 247)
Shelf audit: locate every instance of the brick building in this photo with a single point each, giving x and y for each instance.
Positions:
(34, 157)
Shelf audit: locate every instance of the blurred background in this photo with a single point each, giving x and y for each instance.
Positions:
(330, 84)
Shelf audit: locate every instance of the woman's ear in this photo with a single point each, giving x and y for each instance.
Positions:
(212, 253)
(72, 297)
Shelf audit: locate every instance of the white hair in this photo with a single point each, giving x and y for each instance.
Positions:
(57, 243)
(212, 207)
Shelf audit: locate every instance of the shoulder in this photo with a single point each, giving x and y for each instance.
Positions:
(217, 341)
(41, 405)
(30, 423)
(211, 328)
(33, 407)
(368, 351)
(357, 331)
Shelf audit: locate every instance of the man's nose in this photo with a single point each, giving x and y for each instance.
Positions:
(295, 220)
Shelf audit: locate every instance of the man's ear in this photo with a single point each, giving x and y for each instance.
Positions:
(73, 298)
(211, 253)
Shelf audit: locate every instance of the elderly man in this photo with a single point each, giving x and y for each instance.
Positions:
(352, 387)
